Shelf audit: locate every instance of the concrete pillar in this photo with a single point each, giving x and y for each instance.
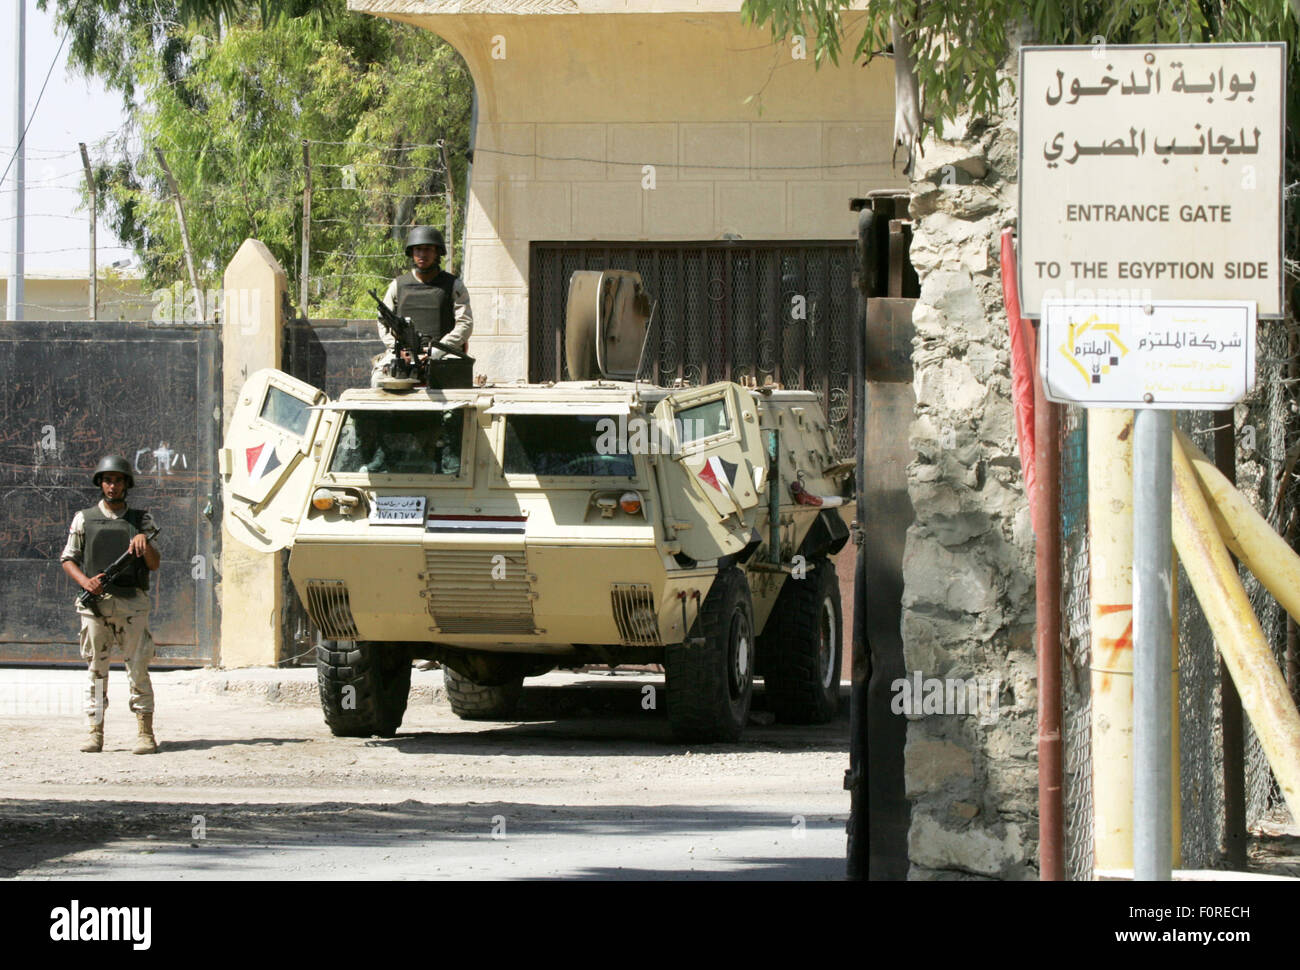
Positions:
(252, 583)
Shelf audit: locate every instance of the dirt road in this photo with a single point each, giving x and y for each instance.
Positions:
(249, 783)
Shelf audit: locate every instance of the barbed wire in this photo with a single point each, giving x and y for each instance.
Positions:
(350, 276)
(79, 308)
(46, 154)
(391, 257)
(379, 192)
(44, 215)
(45, 179)
(369, 225)
(372, 144)
(71, 249)
(668, 165)
(38, 188)
(369, 164)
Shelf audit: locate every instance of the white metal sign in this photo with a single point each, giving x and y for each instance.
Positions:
(397, 510)
(1152, 173)
(1172, 354)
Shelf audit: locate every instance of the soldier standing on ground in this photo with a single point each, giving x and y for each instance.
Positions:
(98, 536)
(436, 301)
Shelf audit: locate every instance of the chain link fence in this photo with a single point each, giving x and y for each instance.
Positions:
(1267, 435)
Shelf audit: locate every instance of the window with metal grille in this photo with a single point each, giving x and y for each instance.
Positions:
(752, 311)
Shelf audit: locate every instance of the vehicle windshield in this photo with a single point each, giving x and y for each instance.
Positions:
(400, 443)
(567, 445)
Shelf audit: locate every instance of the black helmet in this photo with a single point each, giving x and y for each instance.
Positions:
(425, 236)
(114, 463)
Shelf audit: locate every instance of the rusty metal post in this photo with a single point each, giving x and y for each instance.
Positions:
(1234, 742)
(1047, 554)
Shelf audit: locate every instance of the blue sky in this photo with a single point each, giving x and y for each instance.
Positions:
(72, 110)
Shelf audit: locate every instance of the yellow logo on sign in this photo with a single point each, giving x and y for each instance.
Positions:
(1093, 348)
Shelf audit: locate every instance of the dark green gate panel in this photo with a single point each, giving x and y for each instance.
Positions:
(724, 311)
(69, 393)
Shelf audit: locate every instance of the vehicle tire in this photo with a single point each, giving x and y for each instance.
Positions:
(710, 686)
(475, 702)
(364, 686)
(803, 648)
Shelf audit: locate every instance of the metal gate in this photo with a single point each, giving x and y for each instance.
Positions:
(752, 311)
(69, 393)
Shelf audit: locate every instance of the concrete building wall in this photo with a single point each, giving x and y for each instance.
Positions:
(67, 297)
(655, 121)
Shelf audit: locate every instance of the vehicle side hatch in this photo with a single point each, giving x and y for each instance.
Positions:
(263, 461)
(712, 479)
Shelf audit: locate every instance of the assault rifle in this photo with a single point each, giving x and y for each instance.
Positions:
(112, 574)
(405, 338)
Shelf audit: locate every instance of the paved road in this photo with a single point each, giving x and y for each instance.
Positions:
(249, 783)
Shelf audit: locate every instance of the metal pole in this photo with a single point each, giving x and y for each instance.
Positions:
(1234, 744)
(306, 231)
(1110, 592)
(1047, 556)
(93, 305)
(16, 296)
(185, 232)
(1152, 643)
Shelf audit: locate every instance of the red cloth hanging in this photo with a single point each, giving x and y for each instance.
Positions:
(1022, 369)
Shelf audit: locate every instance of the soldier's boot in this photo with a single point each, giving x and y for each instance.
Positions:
(95, 741)
(144, 742)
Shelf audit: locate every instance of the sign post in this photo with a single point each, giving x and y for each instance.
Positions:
(1155, 180)
(1153, 588)
(1154, 358)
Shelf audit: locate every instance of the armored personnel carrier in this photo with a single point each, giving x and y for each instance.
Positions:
(508, 529)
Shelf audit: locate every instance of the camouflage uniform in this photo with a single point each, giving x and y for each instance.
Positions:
(124, 624)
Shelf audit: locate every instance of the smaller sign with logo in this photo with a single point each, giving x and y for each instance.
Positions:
(1170, 354)
(397, 510)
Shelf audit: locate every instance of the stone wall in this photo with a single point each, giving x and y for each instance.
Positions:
(968, 602)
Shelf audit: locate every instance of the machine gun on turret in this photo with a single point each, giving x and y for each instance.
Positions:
(411, 354)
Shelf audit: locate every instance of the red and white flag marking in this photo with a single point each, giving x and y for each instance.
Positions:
(261, 460)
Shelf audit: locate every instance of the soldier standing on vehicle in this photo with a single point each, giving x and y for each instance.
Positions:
(98, 536)
(436, 301)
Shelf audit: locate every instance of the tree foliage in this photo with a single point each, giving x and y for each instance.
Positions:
(230, 92)
(959, 45)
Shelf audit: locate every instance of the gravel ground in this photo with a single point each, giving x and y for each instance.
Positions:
(248, 781)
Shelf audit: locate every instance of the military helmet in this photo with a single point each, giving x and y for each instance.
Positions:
(114, 463)
(425, 236)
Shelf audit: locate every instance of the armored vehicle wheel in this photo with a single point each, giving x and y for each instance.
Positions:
(475, 702)
(710, 686)
(803, 647)
(363, 686)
